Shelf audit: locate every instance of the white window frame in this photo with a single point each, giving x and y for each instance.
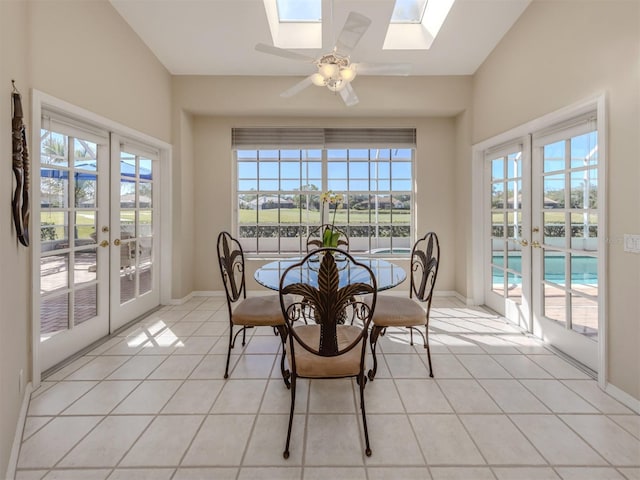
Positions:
(250, 253)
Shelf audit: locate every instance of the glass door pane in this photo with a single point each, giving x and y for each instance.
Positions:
(134, 219)
(508, 253)
(566, 264)
(73, 267)
(136, 225)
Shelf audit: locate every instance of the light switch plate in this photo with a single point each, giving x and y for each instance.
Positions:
(631, 243)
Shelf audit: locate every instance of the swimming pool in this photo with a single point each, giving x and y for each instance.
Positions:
(584, 269)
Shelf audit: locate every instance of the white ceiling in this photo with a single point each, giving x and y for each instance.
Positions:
(217, 37)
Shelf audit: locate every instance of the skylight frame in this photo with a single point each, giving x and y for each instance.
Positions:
(413, 5)
(418, 36)
(299, 35)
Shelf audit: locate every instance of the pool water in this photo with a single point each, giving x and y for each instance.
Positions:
(584, 269)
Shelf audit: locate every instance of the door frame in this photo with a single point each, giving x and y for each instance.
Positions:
(40, 101)
(478, 220)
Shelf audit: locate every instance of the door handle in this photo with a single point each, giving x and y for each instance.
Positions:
(524, 243)
(116, 242)
(104, 243)
(535, 244)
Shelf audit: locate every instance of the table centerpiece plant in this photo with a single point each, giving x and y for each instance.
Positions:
(330, 237)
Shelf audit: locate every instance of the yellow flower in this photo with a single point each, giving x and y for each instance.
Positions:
(331, 197)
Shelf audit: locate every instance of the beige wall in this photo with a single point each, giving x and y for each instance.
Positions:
(85, 54)
(384, 97)
(183, 192)
(15, 354)
(557, 54)
(214, 182)
(220, 103)
(462, 203)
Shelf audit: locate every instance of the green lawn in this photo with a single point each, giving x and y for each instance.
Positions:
(292, 215)
(550, 217)
(53, 223)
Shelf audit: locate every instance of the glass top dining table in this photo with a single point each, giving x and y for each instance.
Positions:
(387, 274)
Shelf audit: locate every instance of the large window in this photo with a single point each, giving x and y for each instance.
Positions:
(278, 197)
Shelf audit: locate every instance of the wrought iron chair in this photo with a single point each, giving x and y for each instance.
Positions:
(314, 240)
(405, 312)
(329, 347)
(262, 311)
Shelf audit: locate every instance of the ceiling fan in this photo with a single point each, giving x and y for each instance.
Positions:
(335, 69)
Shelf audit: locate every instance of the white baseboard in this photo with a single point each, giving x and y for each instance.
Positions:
(180, 301)
(208, 293)
(197, 293)
(623, 397)
(17, 439)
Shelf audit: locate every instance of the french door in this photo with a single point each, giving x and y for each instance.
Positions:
(566, 224)
(541, 235)
(97, 248)
(507, 231)
(134, 280)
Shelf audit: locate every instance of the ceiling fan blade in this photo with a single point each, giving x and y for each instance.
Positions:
(383, 68)
(298, 87)
(353, 30)
(281, 52)
(349, 96)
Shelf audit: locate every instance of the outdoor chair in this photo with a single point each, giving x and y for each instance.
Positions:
(246, 313)
(328, 347)
(394, 312)
(314, 240)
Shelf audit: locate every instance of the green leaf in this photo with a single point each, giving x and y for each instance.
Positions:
(334, 239)
(327, 237)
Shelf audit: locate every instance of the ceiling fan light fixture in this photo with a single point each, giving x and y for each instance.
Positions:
(329, 70)
(336, 85)
(334, 69)
(318, 80)
(347, 74)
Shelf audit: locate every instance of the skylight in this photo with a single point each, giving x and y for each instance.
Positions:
(299, 10)
(294, 23)
(416, 23)
(408, 11)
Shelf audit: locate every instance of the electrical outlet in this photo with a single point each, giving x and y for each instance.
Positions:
(631, 243)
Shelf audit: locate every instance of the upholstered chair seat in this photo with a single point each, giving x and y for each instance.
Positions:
(398, 312)
(263, 311)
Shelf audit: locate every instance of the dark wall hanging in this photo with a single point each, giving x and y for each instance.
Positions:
(20, 201)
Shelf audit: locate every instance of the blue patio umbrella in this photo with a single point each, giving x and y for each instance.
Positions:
(86, 171)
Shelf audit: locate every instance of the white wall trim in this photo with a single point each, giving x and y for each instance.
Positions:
(38, 101)
(208, 293)
(603, 235)
(596, 102)
(17, 438)
(180, 301)
(623, 397)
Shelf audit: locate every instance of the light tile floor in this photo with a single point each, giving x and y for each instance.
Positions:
(151, 403)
